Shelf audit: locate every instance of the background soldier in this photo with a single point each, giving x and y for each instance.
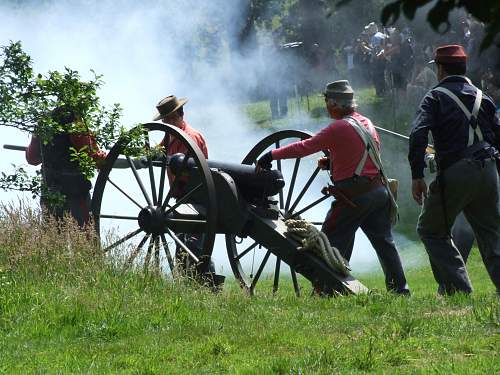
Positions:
(67, 188)
(464, 128)
(357, 175)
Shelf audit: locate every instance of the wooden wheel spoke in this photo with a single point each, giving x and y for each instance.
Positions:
(147, 259)
(167, 253)
(183, 199)
(182, 245)
(157, 254)
(187, 221)
(137, 250)
(162, 179)
(308, 207)
(278, 162)
(151, 172)
(124, 193)
(123, 239)
(292, 183)
(304, 189)
(118, 217)
(175, 182)
(259, 271)
(276, 274)
(246, 251)
(139, 181)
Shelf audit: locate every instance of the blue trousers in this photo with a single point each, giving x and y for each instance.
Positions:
(372, 215)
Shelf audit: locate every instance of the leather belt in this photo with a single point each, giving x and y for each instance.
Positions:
(478, 151)
(353, 188)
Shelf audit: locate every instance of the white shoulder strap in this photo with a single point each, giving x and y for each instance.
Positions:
(371, 150)
(370, 146)
(472, 117)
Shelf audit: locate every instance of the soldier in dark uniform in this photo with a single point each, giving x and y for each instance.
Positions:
(67, 189)
(465, 131)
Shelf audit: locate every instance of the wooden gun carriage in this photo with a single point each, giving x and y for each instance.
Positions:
(189, 194)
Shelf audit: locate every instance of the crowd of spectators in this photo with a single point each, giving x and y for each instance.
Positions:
(393, 60)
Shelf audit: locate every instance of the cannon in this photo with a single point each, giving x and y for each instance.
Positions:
(185, 193)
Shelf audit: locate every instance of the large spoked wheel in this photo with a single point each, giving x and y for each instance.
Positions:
(138, 211)
(301, 197)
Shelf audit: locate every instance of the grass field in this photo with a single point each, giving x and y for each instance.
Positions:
(64, 309)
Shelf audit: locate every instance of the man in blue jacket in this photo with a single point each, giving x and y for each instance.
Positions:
(465, 132)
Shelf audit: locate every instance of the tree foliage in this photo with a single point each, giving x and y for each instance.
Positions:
(486, 11)
(295, 15)
(28, 102)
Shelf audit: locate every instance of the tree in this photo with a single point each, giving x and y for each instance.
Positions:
(28, 102)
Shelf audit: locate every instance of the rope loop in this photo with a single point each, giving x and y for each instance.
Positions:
(313, 240)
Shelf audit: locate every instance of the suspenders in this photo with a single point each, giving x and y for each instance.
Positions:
(371, 150)
(472, 117)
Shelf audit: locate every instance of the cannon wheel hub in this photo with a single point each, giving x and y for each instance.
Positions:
(152, 220)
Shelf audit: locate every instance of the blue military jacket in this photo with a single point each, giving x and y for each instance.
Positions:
(448, 124)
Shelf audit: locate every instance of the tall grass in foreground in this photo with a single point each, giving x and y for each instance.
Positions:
(64, 308)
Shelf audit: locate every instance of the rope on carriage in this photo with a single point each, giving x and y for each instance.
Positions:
(312, 239)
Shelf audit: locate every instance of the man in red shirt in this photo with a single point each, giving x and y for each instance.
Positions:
(171, 111)
(356, 173)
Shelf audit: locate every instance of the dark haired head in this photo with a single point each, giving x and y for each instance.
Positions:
(63, 115)
(455, 69)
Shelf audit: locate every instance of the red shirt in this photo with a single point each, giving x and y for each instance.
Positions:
(175, 145)
(344, 144)
(34, 155)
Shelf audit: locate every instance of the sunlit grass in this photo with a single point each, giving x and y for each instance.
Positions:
(394, 111)
(81, 313)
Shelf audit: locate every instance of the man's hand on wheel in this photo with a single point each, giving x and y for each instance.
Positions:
(323, 163)
(265, 161)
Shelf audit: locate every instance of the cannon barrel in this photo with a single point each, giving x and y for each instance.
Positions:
(251, 184)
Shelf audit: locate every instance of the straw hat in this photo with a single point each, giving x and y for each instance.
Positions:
(168, 105)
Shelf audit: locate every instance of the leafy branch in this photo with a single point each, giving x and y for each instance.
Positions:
(57, 103)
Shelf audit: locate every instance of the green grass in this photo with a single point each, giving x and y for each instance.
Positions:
(69, 311)
(396, 116)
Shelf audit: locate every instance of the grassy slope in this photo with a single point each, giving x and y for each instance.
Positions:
(97, 319)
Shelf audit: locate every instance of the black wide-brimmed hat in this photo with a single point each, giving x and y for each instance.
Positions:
(168, 105)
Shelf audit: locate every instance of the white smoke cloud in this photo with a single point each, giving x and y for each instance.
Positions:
(145, 51)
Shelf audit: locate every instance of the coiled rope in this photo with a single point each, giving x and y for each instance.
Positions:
(312, 239)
